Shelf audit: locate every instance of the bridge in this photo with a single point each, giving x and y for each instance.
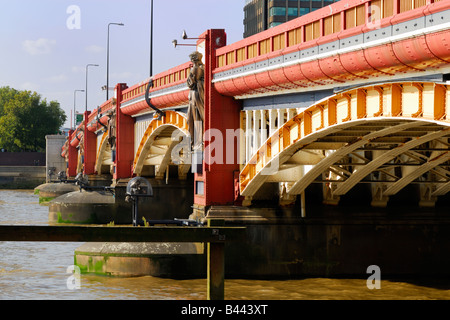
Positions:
(355, 93)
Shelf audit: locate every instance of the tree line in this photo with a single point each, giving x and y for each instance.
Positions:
(25, 120)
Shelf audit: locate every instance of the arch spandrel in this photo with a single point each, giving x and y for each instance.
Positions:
(103, 152)
(157, 142)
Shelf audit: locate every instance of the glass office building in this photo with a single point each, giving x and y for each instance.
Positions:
(261, 15)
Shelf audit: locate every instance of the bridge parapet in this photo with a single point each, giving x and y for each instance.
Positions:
(169, 90)
(349, 41)
(98, 118)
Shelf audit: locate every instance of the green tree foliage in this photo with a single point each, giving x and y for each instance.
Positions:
(25, 120)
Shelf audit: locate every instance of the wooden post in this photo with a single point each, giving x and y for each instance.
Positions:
(216, 266)
(303, 204)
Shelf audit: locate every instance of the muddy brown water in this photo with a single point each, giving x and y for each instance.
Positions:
(38, 270)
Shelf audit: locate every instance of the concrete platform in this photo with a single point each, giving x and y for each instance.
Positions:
(49, 191)
(130, 259)
(83, 207)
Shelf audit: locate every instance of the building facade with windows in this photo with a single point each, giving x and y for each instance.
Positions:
(261, 15)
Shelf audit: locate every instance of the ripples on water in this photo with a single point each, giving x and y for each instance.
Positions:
(30, 270)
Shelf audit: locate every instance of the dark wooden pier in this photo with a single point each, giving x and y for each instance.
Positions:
(214, 236)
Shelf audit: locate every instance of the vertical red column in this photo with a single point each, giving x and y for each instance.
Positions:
(124, 138)
(221, 114)
(90, 147)
(72, 158)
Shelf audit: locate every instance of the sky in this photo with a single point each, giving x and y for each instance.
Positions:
(45, 45)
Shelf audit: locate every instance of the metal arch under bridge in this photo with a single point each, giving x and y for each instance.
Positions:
(363, 134)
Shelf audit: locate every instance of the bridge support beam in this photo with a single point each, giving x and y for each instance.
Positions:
(379, 199)
(90, 147)
(328, 197)
(72, 158)
(427, 199)
(215, 185)
(286, 199)
(124, 139)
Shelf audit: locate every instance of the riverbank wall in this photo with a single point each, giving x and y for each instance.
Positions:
(21, 177)
(22, 170)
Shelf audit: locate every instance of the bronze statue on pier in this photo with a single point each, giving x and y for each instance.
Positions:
(196, 111)
(111, 114)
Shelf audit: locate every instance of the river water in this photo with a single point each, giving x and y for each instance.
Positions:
(37, 270)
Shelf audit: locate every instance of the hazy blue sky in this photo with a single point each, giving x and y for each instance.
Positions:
(41, 52)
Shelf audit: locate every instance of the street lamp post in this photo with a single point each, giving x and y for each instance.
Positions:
(184, 36)
(74, 111)
(107, 59)
(87, 66)
(151, 40)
